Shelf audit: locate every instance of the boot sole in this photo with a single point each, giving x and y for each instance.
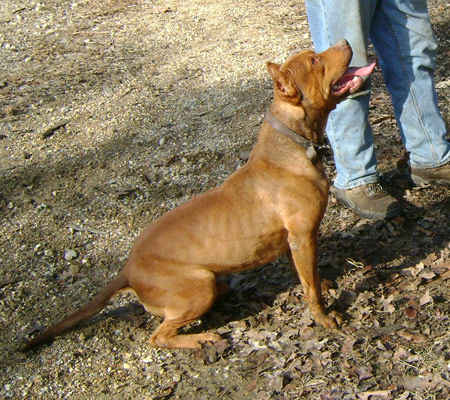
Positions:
(417, 180)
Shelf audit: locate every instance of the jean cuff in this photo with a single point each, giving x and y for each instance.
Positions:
(431, 165)
(359, 182)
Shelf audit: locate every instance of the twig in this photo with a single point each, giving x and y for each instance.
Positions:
(85, 228)
(19, 10)
(126, 92)
(9, 281)
(50, 131)
(378, 120)
(407, 364)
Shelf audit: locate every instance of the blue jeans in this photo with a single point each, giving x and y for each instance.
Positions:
(402, 36)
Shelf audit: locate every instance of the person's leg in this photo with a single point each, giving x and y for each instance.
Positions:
(402, 35)
(348, 129)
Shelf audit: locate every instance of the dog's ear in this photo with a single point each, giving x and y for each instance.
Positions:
(282, 81)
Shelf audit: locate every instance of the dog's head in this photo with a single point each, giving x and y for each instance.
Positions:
(318, 80)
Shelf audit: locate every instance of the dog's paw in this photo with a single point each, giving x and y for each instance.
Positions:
(331, 321)
(207, 338)
(337, 318)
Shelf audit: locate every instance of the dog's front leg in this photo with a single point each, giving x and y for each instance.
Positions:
(303, 257)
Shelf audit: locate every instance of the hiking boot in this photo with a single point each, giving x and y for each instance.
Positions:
(434, 176)
(370, 201)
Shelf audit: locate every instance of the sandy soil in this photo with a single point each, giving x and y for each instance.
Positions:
(113, 112)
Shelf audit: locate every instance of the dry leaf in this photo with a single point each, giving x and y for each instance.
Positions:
(419, 384)
(411, 312)
(308, 333)
(401, 354)
(416, 270)
(387, 306)
(403, 396)
(426, 298)
(347, 348)
(445, 276)
(427, 274)
(412, 337)
(364, 372)
(380, 393)
(334, 394)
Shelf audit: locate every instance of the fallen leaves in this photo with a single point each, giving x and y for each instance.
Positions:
(387, 304)
(411, 313)
(426, 382)
(412, 337)
(426, 298)
(375, 393)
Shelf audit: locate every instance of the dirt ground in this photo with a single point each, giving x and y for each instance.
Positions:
(113, 112)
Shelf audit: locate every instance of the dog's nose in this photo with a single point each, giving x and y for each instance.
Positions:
(342, 43)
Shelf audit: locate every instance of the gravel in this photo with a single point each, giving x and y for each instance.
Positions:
(113, 112)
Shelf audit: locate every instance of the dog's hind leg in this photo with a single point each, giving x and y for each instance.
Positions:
(180, 300)
(167, 335)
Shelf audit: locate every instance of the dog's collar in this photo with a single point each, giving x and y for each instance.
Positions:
(313, 150)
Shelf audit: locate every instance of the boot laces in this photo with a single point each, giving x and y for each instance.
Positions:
(375, 189)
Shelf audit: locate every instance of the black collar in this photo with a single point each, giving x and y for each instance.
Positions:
(313, 150)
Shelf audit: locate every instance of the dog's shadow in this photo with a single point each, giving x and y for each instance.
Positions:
(386, 247)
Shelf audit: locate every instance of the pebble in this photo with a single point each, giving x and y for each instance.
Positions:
(244, 155)
(162, 141)
(70, 254)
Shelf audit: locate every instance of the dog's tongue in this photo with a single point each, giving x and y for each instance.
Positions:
(349, 83)
(356, 71)
(360, 71)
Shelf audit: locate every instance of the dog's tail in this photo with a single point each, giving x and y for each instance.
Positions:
(93, 307)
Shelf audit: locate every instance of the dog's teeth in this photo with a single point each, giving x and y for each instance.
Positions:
(355, 78)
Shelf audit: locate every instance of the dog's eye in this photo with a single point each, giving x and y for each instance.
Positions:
(315, 61)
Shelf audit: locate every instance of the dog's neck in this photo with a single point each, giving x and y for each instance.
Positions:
(307, 123)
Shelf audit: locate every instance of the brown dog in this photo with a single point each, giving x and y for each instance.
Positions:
(272, 205)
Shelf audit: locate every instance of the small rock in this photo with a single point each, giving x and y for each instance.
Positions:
(162, 141)
(48, 253)
(126, 365)
(70, 254)
(244, 155)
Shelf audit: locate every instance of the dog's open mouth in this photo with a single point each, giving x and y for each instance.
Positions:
(351, 81)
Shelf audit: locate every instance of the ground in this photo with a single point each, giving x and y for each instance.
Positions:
(113, 112)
